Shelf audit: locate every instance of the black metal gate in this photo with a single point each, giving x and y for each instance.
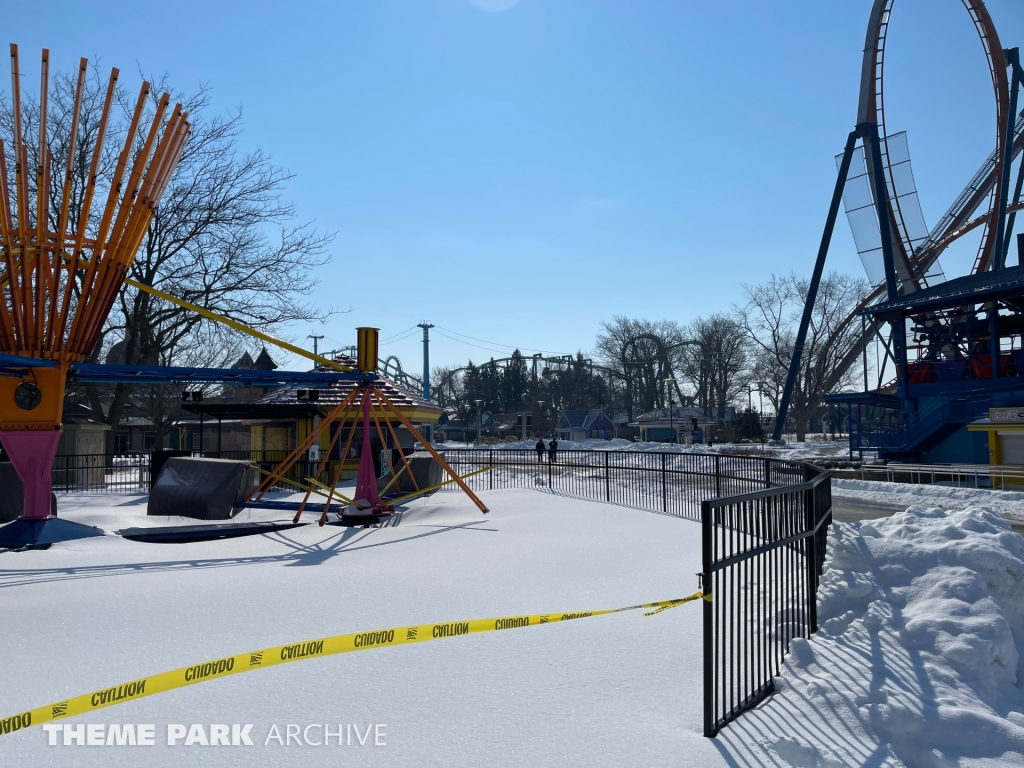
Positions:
(762, 556)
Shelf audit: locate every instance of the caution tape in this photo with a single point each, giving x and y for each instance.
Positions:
(285, 654)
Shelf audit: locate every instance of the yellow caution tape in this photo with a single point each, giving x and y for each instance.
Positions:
(285, 654)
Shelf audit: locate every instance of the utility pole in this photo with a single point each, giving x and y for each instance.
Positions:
(671, 414)
(426, 358)
(315, 339)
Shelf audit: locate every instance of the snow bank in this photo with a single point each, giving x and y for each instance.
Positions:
(1006, 503)
(918, 660)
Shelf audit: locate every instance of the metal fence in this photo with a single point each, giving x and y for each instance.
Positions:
(132, 472)
(762, 558)
(102, 473)
(958, 475)
(675, 483)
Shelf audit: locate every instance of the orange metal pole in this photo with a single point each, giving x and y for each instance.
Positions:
(129, 239)
(65, 205)
(320, 469)
(106, 255)
(341, 465)
(8, 318)
(401, 453)
(383, 442)
(42, 263)
(432, 452)
(21, 193)
(90, 189)
(7, 231)
(285, 465)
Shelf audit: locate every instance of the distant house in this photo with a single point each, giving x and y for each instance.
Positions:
(658, 426)
(585, 425)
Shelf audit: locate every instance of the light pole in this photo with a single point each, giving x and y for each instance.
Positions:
(540, 407)
(671, 416)
(479, 421)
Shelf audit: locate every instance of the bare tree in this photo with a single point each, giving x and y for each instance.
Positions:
(717, 366)
(640, 352)
(223, 237)
(770, 318)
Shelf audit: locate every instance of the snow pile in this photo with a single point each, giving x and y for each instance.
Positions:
(1006, 503)
(918, 660)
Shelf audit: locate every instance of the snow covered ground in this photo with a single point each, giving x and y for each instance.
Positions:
(812, 449)
(918, 663)
(1009, 504)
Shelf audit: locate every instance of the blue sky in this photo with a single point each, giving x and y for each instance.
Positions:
(517, 172)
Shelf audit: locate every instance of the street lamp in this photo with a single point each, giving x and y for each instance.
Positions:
(479, 420)
(671, 418)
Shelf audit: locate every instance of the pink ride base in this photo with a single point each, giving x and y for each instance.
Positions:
(32, 455)
(366, 480)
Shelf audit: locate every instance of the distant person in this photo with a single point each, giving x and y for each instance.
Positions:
(540, 450)
(553, 449)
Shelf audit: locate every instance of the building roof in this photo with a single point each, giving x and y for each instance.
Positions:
(580, 419)
(969, 289)
(283, 402)
(263, 362)
(660, 416)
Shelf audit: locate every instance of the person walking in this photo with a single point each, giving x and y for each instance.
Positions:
(552, 449)
(540, 450)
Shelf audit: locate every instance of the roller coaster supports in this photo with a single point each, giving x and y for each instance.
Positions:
(812, 290)
(1002, 241)
(881, 193)
(1016, 81)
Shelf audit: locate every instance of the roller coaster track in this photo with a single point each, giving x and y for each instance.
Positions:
(911, 267)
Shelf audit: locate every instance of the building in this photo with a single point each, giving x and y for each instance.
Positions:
(946, 402)
(1004, 435)
(267, 428)
(585, 425)
(657, 426)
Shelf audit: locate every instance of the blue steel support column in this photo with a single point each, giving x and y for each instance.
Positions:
(1011, 218)
(812, 291)
(998, 262)
(881, 194)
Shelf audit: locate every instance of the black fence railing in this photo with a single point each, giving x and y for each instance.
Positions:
(675, 483)
(132, 472)
(102, 473)
(762, 558)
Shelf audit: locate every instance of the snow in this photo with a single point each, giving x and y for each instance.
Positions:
(1009, 504)
(793, 451)
(918, 662)
(616, 690)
